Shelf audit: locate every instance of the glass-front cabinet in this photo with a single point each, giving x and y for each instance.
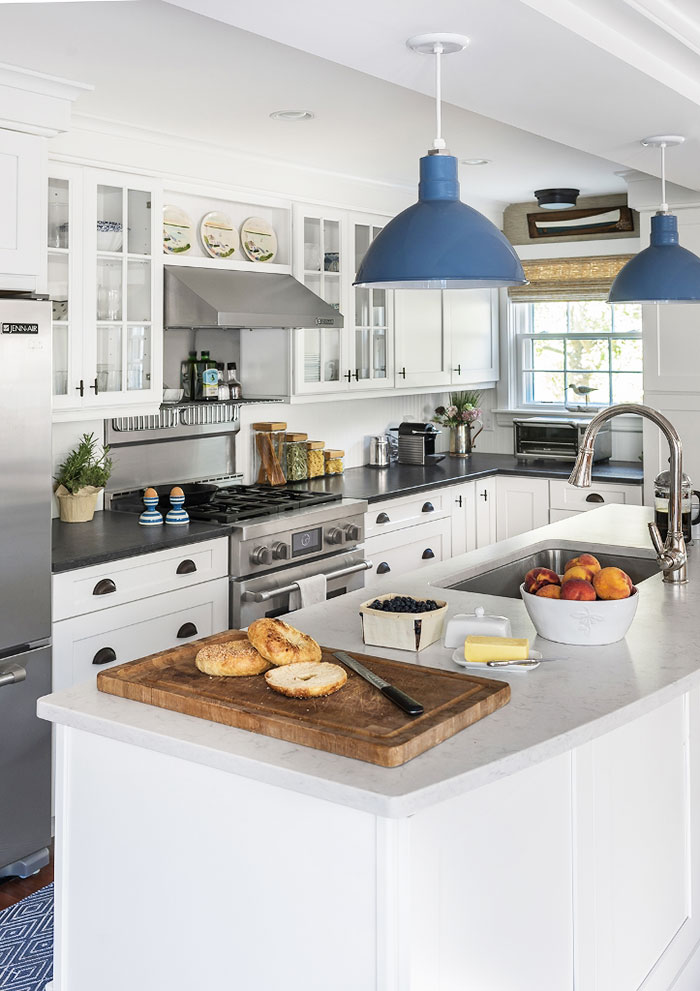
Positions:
(105, 285)
(328, 250)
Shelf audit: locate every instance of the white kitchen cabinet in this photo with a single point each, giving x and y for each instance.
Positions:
(22, 211)
(369, 318)
(463, 517)
(422, 345)
(485, 511)
(471, 324)
(567, 500)
(393, 514)
(85, 645)
(522, 504)
(398, 551)
(106, 291)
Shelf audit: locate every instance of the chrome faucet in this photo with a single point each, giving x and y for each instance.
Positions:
(671, 555)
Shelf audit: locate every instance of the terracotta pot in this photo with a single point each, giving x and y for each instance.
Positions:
(78, 507)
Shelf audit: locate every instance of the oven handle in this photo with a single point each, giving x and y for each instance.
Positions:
(286, 589)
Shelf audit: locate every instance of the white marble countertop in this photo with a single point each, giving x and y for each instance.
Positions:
(585, 692)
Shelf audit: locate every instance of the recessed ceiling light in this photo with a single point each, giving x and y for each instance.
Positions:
(475, 161)
(292, 115)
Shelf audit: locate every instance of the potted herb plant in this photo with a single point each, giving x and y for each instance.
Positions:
(461, 416)
(81, 477)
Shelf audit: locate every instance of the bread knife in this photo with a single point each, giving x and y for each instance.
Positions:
(394, 694)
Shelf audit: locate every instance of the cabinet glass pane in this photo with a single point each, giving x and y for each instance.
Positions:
(362, 353)
(330, 349)
(59, 334)
(379, 307)
(312, 354)
(331, 246)
(58, 285)
(110, 220)
(379, 353)
(138, 222)
(138, 291)
(138, 356)
(109, 357)
(313, 282)
(312, 244)
(58, 233)
(362, 232)
(331, 290)
(362, 307)
(109, 289)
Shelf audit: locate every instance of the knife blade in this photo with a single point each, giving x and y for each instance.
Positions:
(395, 695)
(529, 662)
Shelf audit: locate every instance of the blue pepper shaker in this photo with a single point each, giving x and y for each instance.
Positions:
(177, 516)
(150, 516)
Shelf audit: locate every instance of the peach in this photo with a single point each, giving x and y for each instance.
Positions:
(578, 571)
(584, 561)
(578, 588)
(538, 577)
(613, 583)
(549, 592)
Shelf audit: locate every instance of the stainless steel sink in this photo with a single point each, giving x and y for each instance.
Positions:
(506, 579)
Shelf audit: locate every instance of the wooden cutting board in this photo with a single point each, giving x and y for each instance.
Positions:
(356, 721)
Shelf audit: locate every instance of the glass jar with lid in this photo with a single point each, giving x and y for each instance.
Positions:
(314, 453)
(296, 460)
(334, 461)
(269, 453)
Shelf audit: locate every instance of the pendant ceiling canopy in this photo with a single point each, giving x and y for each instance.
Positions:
(439, 242)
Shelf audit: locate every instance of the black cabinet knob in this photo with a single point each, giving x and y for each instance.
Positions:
(427, 554)
(186, 567)
(187, 630)
(104, 587)
(383, 568)
(428, 507)
(105, 656)
(383, 518)
(595, 497)
(458, 500)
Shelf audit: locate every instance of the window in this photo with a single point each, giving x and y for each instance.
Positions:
(584, 342)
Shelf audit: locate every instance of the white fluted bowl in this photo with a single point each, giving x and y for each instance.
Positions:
(584, 624)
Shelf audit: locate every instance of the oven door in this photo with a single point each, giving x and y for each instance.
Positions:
(268, 595)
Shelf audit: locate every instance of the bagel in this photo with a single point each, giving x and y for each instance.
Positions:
(279, 643)
(307, 679)
(236, 659)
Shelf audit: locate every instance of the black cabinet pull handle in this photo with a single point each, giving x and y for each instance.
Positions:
(104, 587)
(594, 497)
(383, 568)
(485, 495)
(105, 656)
(427, 554)
(383, 518)
(348, 375)
(459, 501)
(428, 508)
(186, 567)
(356, 374)
(187, 630)
(95, 388)
(402, 373)
(80, 388)
(458, 369)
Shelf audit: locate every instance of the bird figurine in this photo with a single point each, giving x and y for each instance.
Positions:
(151, 516)
(177, 516)
(582, 390)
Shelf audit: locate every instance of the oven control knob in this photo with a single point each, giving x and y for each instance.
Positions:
(261, 555)
(335, 535)
(352, 532)
(280, 550)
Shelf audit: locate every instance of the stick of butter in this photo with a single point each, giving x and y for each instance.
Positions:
(496, 649)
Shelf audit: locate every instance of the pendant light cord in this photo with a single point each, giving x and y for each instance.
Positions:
(439, 142)
(664, 204)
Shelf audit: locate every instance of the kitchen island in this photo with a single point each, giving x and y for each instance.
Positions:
(553, 845)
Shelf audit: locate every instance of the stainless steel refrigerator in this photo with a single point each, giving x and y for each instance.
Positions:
(25, 583)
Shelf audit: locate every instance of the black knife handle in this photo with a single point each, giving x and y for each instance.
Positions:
(403, 700)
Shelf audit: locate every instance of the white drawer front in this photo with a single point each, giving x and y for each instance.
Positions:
(102, 586)
(569, 497)
(389, 515)
(562, 514)
(393, 554)
(86, 645)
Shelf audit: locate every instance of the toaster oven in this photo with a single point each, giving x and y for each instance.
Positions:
(553, 438)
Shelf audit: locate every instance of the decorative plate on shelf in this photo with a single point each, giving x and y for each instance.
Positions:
(219, 236)
(177, 230)
(258, 239)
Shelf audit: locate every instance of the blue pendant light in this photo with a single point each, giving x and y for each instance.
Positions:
(439, 242)
(664, 272)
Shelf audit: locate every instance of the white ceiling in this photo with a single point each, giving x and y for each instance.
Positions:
(548, 106)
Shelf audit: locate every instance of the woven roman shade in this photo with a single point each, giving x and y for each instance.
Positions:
(568, 278)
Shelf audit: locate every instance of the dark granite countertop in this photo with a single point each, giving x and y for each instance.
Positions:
(374, 484)
(112, 536)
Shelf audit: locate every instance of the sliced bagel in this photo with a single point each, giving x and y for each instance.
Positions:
(307, 679)
(279, 643)
(235, 659)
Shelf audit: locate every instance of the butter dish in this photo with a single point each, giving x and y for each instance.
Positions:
(477, 624)
(482, 666)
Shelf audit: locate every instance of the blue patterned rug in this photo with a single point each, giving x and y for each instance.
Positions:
(26, 942)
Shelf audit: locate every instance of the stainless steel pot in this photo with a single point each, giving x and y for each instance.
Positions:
(378, 452)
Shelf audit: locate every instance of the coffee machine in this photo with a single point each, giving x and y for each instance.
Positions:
(417, 444)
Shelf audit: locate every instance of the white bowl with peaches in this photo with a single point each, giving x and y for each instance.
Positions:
(586, 606)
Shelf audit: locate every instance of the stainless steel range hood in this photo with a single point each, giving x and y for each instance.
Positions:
(202, 298)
